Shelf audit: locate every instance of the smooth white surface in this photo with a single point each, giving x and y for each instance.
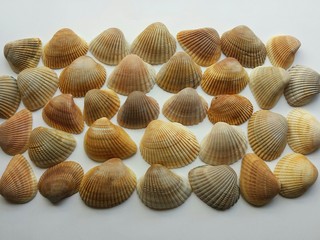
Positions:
(71, 219)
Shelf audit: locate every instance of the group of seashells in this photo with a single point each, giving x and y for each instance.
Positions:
(165, 144)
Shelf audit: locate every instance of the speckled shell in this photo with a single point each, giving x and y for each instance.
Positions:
(9, 96)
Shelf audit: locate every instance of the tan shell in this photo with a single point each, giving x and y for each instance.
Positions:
(104, 140)
(18, 183)
(37, 86)
(132, 74)
(61, 181)
(258, 185)
(62, 113)
(138, 111)
(267, 85)
(108, 184)
(64, 47)
(9, 96)
(110, 46)
(48, 147)
(224, 77)
(216, 186)
(155, 44)
(202, 44)
(296, 174)
(267, 134)
(162, 189)
(178, 73)
(169, 144)
(232, 109)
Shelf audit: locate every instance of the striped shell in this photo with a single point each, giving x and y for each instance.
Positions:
(9, 96)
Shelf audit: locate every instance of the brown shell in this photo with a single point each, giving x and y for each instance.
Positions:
(9, 96)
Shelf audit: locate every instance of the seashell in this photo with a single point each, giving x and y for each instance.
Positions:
(15, 133)
(64, 47)
(303, 86)
(138, 111)
(61, 181)
(23, 53)
(37, 86)
(224, 145)
(202, 44)
(100, 103)
(62, 113)
(241, 43)
(162, 189)
(282, 49)
(267, 85)
(296, 174)
(9, 96)
(178, 73)
(267, 134)
(132, 74)
(110, 46)
(82, 75)
(224, 77)
(155, 44)
(108, 184)
(169, 144)
(48, 147)
(232, 109)
(216, 186)
(18, 183)
(186, 107)
(303, 131)
(258, 185)
(104, 140)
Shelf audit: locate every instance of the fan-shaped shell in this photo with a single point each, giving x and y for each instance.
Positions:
(9, 96)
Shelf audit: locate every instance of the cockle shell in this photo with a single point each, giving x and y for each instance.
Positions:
(178, 73)
(18, 183)
(48, 147)
(104, 140)
(9, 96)
(138, 111)
(216, 186)
(169, 144)
(108, 184)
(155, 44)
(162, 189)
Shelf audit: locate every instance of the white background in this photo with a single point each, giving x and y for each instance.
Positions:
(71, 219)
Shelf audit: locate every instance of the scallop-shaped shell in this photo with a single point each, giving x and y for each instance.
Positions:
(62, 113)
(232, 109)
(138, 111)
(282, 49)
(155, 44)
(110, 46)
(267, 134)
(216, 186)
(61, 181)
(104, 140)
(162, 189)
(15, 133)
(108, 184)
(169, 144)
(9, 96)
(258, 185)
(296, 174)
(18, 183)
(132, 74)
(303, 87)
(48, 147)
(186, 107)
(224, 77)
(267, 85)
(23, 53)
(178, 73)
(64, 47)
(100, 103)
(37, 86)
(241, 43)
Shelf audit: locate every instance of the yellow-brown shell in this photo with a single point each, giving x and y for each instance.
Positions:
(9, 96)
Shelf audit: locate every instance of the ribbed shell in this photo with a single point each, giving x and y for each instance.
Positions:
(9, 96)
